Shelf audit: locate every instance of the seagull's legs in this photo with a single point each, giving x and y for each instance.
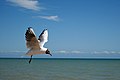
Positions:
(30, 59)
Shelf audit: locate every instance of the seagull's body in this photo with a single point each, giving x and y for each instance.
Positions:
(35, 45)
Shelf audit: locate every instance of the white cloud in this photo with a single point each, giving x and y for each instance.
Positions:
(75, 51)
(62, 51)
(70, 51)
(13, 51)
(27, 4)
(105, 52)
(52, 18)
(33, 5)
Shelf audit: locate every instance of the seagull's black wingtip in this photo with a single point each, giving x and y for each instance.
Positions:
(45, 29)
(29, 27)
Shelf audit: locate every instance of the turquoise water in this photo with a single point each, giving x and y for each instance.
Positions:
(59, 69)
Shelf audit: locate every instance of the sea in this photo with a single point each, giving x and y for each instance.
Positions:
(59, 69)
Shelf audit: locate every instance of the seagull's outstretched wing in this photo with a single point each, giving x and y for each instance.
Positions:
(31, 40)
(43, 37)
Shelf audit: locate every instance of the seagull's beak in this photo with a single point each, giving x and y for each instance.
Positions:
(50, 54)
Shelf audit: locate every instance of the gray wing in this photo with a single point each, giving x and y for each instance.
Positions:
(31, 40)
(43, 37)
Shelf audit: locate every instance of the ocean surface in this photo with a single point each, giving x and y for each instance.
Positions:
(59, 69)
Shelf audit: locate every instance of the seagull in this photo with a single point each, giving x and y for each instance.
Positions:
(36, 46)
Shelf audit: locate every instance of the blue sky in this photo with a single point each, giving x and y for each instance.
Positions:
(76, 27)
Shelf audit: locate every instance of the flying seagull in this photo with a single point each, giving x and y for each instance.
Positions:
(35, 45)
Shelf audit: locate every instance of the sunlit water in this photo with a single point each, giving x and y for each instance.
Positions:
(59, 69)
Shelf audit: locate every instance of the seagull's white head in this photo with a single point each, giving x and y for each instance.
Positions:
(48, 52)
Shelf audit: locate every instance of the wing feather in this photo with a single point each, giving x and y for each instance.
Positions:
(43, 37)
(31, 40)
